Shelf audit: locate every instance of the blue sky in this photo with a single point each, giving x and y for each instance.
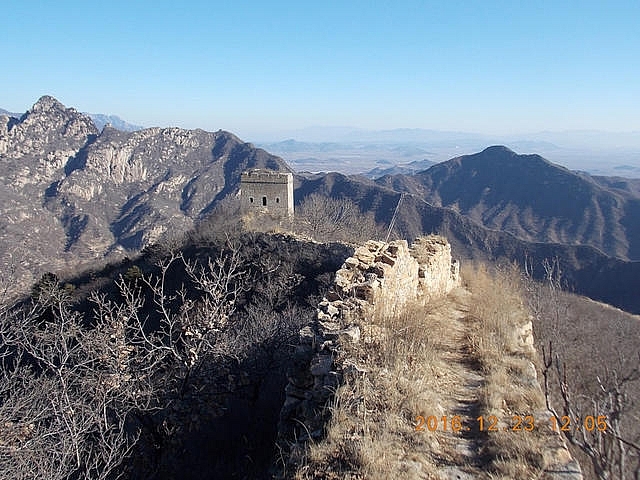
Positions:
(256, 66)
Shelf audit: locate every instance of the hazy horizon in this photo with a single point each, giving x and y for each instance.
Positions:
(359, 150)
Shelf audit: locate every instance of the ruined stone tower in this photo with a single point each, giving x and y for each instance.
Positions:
(267, 191)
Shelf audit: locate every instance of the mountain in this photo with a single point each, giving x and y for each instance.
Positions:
(629, 187)
(9, 114)
(352, 157)
(586, 270)
(533, 199)
(404, 169)
(99, 119)
(70, 194)
(597, 152)
(116, 122)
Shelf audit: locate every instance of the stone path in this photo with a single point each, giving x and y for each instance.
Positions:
(465, 402)
(466, 396)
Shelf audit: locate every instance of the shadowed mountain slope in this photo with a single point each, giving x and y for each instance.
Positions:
(533, 199)
(629, 187)
(586, 269)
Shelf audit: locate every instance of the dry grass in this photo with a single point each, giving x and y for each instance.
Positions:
(499, 313)
(372, 430)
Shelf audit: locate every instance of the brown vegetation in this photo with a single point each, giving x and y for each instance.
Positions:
(328, 219)
(507, 365)
(372, 431)
(174, 366)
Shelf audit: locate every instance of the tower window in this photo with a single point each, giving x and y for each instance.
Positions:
(264, 201)
(277, 199)
(250, 199)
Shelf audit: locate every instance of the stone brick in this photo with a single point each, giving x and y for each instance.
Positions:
(350, 335)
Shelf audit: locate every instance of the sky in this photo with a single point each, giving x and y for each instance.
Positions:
(255, 67)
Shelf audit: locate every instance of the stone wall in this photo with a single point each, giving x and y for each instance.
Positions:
(438, 273)
(384, 275)
(379, 278)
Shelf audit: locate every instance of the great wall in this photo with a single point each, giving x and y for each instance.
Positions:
(387, 276)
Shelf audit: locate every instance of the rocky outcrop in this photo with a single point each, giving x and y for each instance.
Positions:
(379, 278)
(34, 151)
(70, 195)
(47, 131)
(438, 273)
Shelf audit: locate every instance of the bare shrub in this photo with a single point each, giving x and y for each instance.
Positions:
(182, 352)
(329, 219)
(64, 410)
(75, 389)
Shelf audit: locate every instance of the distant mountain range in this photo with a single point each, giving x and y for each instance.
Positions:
(585, 269)
(533, 199)
(352, 150)
(10, 114)
(99, 119)
(73, 195)
(116, 122)
(352, 157)
(410, 168)
(536, 140)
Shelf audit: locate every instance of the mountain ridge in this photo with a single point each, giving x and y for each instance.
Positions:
(587, 270)
(531, 198)
(100, 120)
(74, 196)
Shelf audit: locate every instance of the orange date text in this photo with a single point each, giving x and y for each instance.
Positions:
(515, 423)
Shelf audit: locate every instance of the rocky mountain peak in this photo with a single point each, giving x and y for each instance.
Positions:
(70, 194)
(46, 103)
(47, 128)
(54, 116)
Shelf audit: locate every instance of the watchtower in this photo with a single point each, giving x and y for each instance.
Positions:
(267, 191)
